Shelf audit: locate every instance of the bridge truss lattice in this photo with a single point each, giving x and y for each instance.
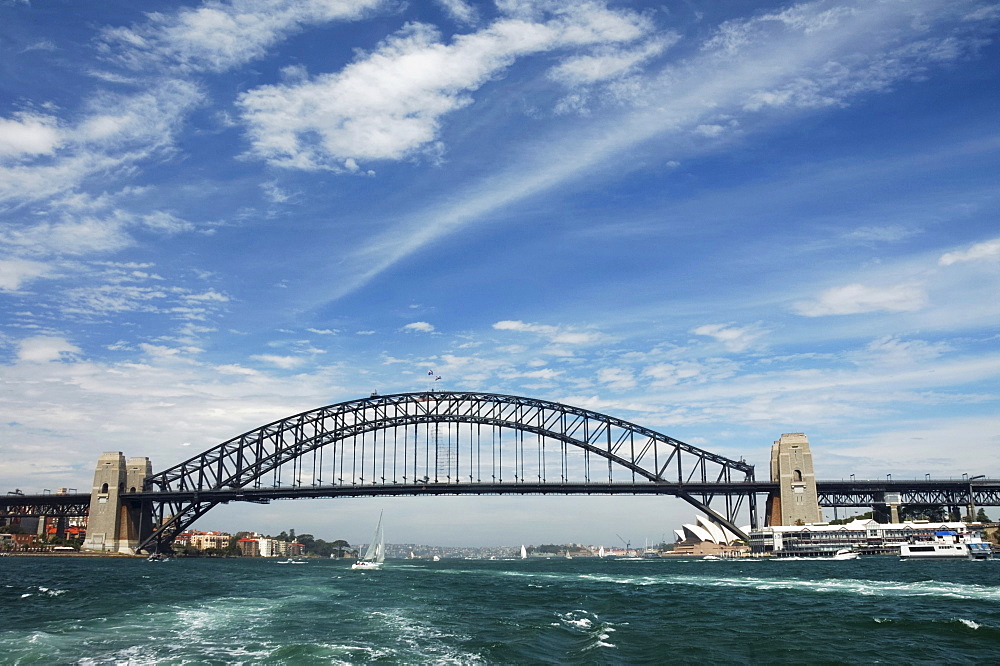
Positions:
(441, 443)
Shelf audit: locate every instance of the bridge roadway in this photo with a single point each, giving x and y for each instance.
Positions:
(842, 494)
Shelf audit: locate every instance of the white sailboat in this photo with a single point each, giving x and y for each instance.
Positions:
(524, 552)
(375, 552)
(600, 552)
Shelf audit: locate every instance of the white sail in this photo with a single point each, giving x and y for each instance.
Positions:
(600, 552)
(375, 552)
(524, 552)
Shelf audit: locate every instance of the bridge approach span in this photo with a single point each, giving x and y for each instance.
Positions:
(438, 442)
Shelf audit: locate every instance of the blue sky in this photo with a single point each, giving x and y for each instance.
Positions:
(723, 221)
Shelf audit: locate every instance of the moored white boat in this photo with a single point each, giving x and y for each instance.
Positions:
(947, 545)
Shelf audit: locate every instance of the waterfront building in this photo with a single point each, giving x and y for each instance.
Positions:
(13, 542)
(249, 547)
(203, 540)
(261, 546)
(862, 535)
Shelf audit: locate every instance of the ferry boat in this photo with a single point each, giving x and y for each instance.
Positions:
(947, 545)
(839, 556)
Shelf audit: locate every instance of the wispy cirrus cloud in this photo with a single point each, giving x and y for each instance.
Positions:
(859, 298)
(801, 59)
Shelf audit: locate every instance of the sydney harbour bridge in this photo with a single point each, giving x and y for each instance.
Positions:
(448, 443)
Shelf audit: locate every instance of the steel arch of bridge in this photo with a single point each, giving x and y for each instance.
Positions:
(439, 442)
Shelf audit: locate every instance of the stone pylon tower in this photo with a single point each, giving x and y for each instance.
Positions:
(132, 521)
(105, 503)
(796, 502)
(113, 526)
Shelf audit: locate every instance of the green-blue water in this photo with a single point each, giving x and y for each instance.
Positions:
(66, 610)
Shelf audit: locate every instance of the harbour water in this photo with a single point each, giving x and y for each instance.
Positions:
(80, 610)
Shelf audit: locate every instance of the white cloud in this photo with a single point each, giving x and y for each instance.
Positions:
(45, 348)
(544, 373)
(618, 379)
(275, 194)
(667, 374)
(859, 298)
(15, 272)
(890, 350)
(69, 236)
(421, 326)
(141, 126)
(553, 334)
(388, 104)
(210, 295)
(219, 35)
(511, 325)
(283, 362)
(459, 10)
(733, 338)
(76, 227)
(28, 135)
(710, 131)
(986, 250)
(164, 222)
(887, 234)
(609, 62)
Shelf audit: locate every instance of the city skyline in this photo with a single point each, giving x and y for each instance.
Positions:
(720, 221)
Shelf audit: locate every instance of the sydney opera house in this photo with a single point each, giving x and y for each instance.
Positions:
(703, 537)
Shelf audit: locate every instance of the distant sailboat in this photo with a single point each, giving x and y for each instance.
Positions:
(524, 552)
(600, 551)
(375, 552)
